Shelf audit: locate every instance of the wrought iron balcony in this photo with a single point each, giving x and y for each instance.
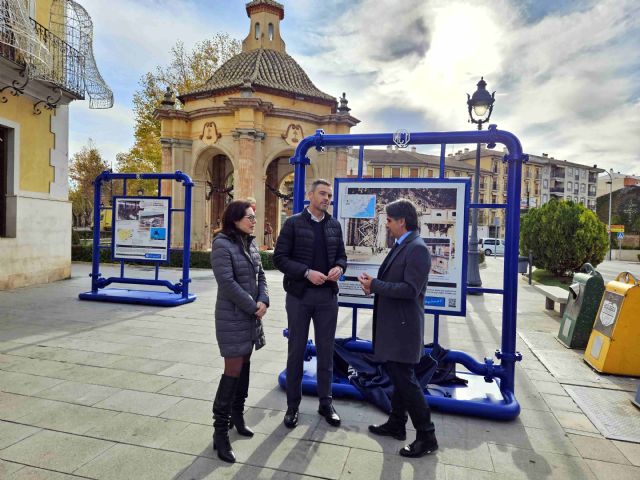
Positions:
(64, 58)
(556, 189)
(67, 70)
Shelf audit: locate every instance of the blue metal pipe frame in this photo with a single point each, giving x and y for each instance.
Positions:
(182, 286)
(507, 354)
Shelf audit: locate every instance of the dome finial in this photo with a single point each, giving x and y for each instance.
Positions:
(343, 104)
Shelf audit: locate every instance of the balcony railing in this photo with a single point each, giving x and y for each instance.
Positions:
(67, 70)
(557, 173)
(556, 189)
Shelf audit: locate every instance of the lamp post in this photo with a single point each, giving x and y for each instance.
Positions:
(480, 105)
(610, 192)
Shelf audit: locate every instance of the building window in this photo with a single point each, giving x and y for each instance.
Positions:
(257, 30)
(544, 198)
(271, 32)
(583, 187)
(429, 173)
(395, 172)
(377, 172)
(8, 140)
(494, 168)
(414, 172)
(545, 183)
(4, 168)
(569, 186)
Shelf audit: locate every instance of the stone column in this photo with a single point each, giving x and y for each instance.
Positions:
(247, 181)
(176, 155)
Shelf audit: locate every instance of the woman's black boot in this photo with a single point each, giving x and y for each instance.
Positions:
(237, 406)
(221, 415)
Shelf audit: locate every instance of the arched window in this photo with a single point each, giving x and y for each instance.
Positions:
(271, 32)
(257, 30)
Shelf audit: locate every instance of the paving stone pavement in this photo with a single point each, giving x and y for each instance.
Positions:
(98, 390)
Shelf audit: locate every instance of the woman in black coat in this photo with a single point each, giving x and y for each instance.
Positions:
(241, 303)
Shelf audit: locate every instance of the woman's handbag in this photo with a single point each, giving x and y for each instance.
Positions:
(259, 340)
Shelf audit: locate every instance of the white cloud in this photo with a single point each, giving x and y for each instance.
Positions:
(567, 81)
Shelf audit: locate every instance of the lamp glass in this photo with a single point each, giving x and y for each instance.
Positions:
(480, 109)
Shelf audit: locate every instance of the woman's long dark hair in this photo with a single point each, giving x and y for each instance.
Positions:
(233, 212)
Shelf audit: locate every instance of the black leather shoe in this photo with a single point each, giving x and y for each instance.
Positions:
(291, 417)
(389, 429)
(330, 415)
(424, 444)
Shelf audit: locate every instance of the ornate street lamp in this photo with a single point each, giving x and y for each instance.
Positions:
(480, 107)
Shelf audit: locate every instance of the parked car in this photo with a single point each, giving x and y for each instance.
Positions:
(491, 246)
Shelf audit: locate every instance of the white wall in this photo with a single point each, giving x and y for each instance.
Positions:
(41, 251)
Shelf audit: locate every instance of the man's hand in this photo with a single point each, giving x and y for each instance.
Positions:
(316, 277)
(262, 309)
(334, 274)
(365, 282)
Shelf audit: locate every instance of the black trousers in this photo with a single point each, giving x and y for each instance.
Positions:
(321, 305)
(408, 396)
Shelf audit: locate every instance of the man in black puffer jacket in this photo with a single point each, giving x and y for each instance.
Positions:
(310, 252)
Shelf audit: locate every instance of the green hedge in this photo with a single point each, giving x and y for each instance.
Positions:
(198, 259)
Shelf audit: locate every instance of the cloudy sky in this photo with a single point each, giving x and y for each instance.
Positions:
(566, 72)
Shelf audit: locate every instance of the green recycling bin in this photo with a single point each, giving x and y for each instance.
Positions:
(584, 300)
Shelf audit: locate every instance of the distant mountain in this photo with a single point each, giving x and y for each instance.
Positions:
(625, 208)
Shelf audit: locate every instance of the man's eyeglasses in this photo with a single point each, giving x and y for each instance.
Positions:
(252, 218)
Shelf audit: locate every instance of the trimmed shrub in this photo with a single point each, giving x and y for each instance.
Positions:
(563, 236)
(267, 260)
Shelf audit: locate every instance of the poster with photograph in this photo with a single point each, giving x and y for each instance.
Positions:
(141, 228)
(442, 206)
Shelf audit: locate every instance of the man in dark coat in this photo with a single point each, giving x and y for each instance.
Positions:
(398, 327)
(310, 252)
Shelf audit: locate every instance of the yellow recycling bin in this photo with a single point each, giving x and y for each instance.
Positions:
(614, 345)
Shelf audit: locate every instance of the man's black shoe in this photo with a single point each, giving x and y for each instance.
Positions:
(291, 417)
(330, 415)
(389, 429)
(424, 444)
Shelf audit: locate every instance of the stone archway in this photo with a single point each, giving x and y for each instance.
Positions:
(213, 177)
(275, 207)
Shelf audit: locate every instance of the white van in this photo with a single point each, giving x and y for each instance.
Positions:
(491, 246)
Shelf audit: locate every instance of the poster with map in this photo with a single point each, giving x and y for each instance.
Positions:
(141, 228)
(442, 208)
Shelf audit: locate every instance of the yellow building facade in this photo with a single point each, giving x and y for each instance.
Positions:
(235, 134)
(40, 74)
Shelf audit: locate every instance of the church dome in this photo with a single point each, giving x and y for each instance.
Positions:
(264, 70)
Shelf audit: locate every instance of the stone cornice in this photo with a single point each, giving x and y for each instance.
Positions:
(314, 118)
(169, 142)
(256, 103)
(268, 108)
(248, 133)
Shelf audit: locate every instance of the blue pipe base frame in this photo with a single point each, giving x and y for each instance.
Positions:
(479, 398)
(138, 297)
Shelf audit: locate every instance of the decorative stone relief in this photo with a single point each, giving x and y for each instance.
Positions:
(210, 134)
(293, 134)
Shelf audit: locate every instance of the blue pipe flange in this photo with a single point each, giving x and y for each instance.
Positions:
(489, 364)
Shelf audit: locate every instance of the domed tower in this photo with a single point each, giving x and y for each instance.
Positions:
(235, 134)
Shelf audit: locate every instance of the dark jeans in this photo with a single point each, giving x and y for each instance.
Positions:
(408, 396)
(321, 305)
